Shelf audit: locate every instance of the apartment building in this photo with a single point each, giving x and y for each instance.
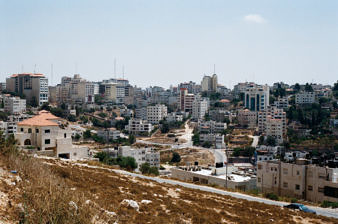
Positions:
(48, 133)
(117, 90)
(173, 117)
(33, 86)
(256, 97)
(282, 103)
(305, 98)
(156, 113)
(308, 182)
(14, 105)
(76, 90)
(141, 155)
(200, 107)
(217, 140)
(272, 122)
(109, 134)
(185, 100)
(138, 126)
(209, 83)
(247, 118)
(211, 127)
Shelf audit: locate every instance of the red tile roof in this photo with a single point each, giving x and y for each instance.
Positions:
(44, 118)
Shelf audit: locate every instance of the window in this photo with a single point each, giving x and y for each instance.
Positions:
(285, 171)
(310, 188)
(47, 131)
(47, 141)
(65, 135)
(321, 189)
(297, 187)
(285, 184)
(259, 166)
(21, 129)
(298, 172)
(29, 130)
(258, 179)
(37, 130)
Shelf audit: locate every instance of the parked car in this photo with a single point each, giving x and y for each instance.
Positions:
(299, 207)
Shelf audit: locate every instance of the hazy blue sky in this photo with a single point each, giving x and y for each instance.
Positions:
(167, 42)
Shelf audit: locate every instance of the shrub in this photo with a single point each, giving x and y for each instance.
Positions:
(294, 200)
(327, 204)
(176, 158)
(271, 196)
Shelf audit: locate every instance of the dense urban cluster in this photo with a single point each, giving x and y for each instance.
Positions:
(275, 141)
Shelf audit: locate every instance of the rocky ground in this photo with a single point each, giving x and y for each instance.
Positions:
(123, 199)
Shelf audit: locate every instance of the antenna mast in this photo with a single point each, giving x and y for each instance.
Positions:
(115, 68)
(51, 74)
(123, 71)
(214, 69)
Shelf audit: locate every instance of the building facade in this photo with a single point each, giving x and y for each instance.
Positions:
(256, 98)
(308, 182)
(33, 86)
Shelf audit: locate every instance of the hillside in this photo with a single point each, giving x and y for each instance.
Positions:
(56, 191)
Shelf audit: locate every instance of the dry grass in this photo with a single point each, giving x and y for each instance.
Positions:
(48, 187)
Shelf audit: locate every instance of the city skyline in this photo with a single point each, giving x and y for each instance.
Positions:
(163, 43)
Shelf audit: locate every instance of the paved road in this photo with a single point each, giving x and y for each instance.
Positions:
(320, 211)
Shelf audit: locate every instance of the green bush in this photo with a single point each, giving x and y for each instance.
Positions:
(176, 158)
(147, 169)
(294, 200)
(271, 196)
(327, 204)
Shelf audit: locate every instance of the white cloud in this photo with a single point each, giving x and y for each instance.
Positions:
(254, 18)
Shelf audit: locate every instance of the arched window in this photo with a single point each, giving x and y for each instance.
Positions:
(29, 130)
(27, 142)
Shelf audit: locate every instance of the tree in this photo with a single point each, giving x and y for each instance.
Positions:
(261, 140)
(196, 138)
(176, 158)
(77, 136)
(147, 169)
(271, 141)
(87, 134)
(164, 127)
(308, 88)
(207, 144)
(236, 152)
(297, 87)
(71, 118)
(131, 139)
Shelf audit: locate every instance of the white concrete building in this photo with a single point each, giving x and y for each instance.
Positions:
(217, 140)
(272, 122)
(138, 126)
(173, 117)
(109, 134)
(233, 179)
(47, 133)
(141, 155)
(156, 113)
(14, 105)
(200, 107)
(282, 103)
(305, 97)
(211, 126)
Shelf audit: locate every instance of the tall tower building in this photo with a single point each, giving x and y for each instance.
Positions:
(257, 97)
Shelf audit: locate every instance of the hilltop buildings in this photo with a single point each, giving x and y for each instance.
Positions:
(209, 83)
(33, 86)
